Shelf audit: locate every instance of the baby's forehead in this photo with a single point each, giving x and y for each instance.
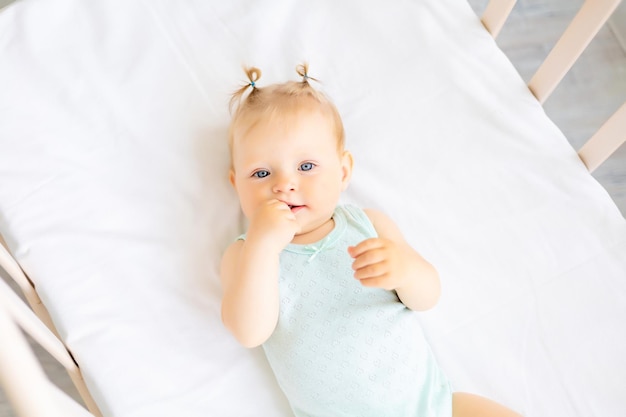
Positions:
(304, 137)
(281, 122)
(282, 115)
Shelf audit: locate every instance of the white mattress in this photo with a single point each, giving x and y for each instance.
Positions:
(114, 195)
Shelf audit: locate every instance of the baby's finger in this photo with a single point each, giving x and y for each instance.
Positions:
(368, 258)
(278, 204)
(364, 246)
(297, 226)
(371, 271)
(376, 282)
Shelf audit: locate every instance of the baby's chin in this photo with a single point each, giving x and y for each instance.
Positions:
(312, 233)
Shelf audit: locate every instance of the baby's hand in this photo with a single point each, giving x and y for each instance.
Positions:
(380, 263)
(273, 224)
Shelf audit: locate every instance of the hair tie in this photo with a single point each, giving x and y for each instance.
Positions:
(252, 84)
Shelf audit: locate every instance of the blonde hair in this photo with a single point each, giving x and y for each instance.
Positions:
(277, 100)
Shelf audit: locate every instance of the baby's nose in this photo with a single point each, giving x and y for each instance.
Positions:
(285, 183)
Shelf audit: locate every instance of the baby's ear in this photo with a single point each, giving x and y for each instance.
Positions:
(231, 178)
(346, 167)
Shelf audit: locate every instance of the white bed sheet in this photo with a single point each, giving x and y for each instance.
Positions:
(114, 195)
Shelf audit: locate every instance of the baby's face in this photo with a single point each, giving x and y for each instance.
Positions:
(294, 160)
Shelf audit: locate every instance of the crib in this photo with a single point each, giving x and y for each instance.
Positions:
(115, 205)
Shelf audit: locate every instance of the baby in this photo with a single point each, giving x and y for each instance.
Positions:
(328, 290)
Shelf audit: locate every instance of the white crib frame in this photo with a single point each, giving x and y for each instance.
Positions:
(21, 374)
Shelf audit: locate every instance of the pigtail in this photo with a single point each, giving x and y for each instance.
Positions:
(303, 71)
(253, 75)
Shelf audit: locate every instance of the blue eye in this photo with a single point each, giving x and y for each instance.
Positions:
(307, 166)
(261, 174)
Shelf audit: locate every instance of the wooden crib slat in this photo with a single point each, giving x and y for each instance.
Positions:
(21, 374)
(38, 324)
(12, 268)
(587, 22)
(495, 14)
(33, 326)
(605, 141)
(26, 385)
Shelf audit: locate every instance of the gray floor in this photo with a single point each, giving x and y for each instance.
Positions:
(590, 93)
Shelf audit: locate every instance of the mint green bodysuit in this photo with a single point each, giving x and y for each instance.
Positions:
(341, 349)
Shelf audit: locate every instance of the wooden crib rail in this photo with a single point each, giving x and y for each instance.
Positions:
(582, 29)
(27, 387)
(495, 14)
(38, 325)
(26, 286)
(32, 325)
(606, 140)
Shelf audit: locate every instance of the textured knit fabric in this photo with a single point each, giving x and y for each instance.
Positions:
(341, 349)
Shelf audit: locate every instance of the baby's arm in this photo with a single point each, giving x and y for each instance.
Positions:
(389, 262)
(249, 274)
